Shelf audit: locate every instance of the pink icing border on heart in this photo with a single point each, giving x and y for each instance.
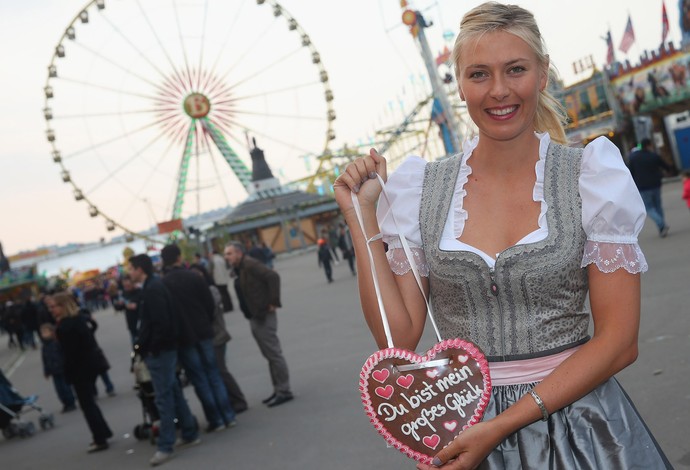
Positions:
(396, 353)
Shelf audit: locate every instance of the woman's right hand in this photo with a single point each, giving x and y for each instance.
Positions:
(360, 177)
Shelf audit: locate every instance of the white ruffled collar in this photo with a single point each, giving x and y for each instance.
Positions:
(459, 215)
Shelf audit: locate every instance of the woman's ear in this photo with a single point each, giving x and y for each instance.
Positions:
(544, 80)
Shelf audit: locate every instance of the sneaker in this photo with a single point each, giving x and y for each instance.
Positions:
(231, 424)
(94, 447)
(112, 393)
(266, 401)
(216, 428)
(182, 443)
(160, 457)
(664, 231)
(280, 399)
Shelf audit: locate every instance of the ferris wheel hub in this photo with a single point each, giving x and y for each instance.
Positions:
(196, 105)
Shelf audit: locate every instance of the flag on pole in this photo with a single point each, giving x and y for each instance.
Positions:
(628, 37)
(664, 23)
(610, 56)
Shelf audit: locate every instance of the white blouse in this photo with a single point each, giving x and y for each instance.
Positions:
(612, 210)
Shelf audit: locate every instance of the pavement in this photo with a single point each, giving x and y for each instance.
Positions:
(325, 341)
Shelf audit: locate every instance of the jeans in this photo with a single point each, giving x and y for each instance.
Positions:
(170, 401)
(199, 362)
(109, 387)
(652, 202)
(63, 390)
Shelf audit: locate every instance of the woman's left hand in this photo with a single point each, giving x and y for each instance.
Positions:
(467, 450)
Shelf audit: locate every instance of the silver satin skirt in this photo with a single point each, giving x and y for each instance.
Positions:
(602, 430)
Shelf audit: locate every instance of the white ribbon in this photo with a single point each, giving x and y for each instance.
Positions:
(408, 254)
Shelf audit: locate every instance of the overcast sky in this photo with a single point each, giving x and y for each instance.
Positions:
(368, 54)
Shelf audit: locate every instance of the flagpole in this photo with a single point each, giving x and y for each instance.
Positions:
(635, 43)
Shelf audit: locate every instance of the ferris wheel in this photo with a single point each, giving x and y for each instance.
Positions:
(150, 105)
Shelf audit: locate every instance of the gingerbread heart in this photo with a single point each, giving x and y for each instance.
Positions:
(419, 404)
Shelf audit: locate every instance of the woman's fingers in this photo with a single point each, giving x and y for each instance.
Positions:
(380, 164)
(362, 170)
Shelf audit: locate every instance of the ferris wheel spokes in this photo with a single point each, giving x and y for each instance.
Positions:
(112, 174)
(111, 140)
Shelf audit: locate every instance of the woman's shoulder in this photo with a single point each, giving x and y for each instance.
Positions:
(602, 149)
(410, 170)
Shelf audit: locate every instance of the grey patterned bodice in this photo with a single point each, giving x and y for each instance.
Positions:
(532, 303)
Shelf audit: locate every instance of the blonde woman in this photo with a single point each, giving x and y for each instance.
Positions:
(510, 236)
(84, 361)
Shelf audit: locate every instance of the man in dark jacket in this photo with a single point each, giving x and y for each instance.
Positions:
(645, 168)
(195, 301)
(157, 345)
(127, 301)
(260, 290)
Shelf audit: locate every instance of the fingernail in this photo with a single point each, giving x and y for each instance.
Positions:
(355, 188)
(372, 175)
(436, 462)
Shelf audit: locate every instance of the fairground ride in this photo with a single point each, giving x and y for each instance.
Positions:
(150, 105)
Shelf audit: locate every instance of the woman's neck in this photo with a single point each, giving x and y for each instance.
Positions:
(499, 157)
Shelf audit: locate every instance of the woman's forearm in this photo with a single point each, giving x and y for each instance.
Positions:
(404, 329)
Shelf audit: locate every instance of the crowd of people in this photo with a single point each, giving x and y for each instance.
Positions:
(174, 314)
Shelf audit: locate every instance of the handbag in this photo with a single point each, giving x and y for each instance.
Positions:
(420, 403)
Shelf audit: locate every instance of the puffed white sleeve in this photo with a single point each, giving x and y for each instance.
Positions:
(613, 213)
(404, 191)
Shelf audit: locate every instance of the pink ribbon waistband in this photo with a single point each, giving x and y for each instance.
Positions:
(526, 370)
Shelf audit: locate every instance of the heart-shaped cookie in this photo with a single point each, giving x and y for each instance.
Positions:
(419, 404)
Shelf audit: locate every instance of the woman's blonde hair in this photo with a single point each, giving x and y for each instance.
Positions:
(493, 16)
(67, 302)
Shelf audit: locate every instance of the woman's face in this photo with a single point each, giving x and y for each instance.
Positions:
(55, 309)
(500, 78)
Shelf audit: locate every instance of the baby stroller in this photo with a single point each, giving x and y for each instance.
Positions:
(148, 429)
(12, 406)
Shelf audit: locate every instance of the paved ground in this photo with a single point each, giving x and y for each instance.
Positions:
(326, 342)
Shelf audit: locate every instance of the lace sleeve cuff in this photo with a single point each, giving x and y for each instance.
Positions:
(400, 264)
(610, 257)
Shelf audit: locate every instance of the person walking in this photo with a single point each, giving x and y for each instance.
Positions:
(646, 169)
(259, 289)
(325, 258)
(515, 239)
(84, 361)
(686, 186)
(346, 247)
(157, 345)
(221, 337)
(196, 352)
(54, 367)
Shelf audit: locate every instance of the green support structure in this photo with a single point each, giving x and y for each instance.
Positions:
(182, 174)
(243, 173)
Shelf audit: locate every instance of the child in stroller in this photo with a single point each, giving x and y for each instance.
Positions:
(12, 406)
(148, 429)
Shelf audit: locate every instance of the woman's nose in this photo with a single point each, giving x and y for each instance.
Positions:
(499, 88)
